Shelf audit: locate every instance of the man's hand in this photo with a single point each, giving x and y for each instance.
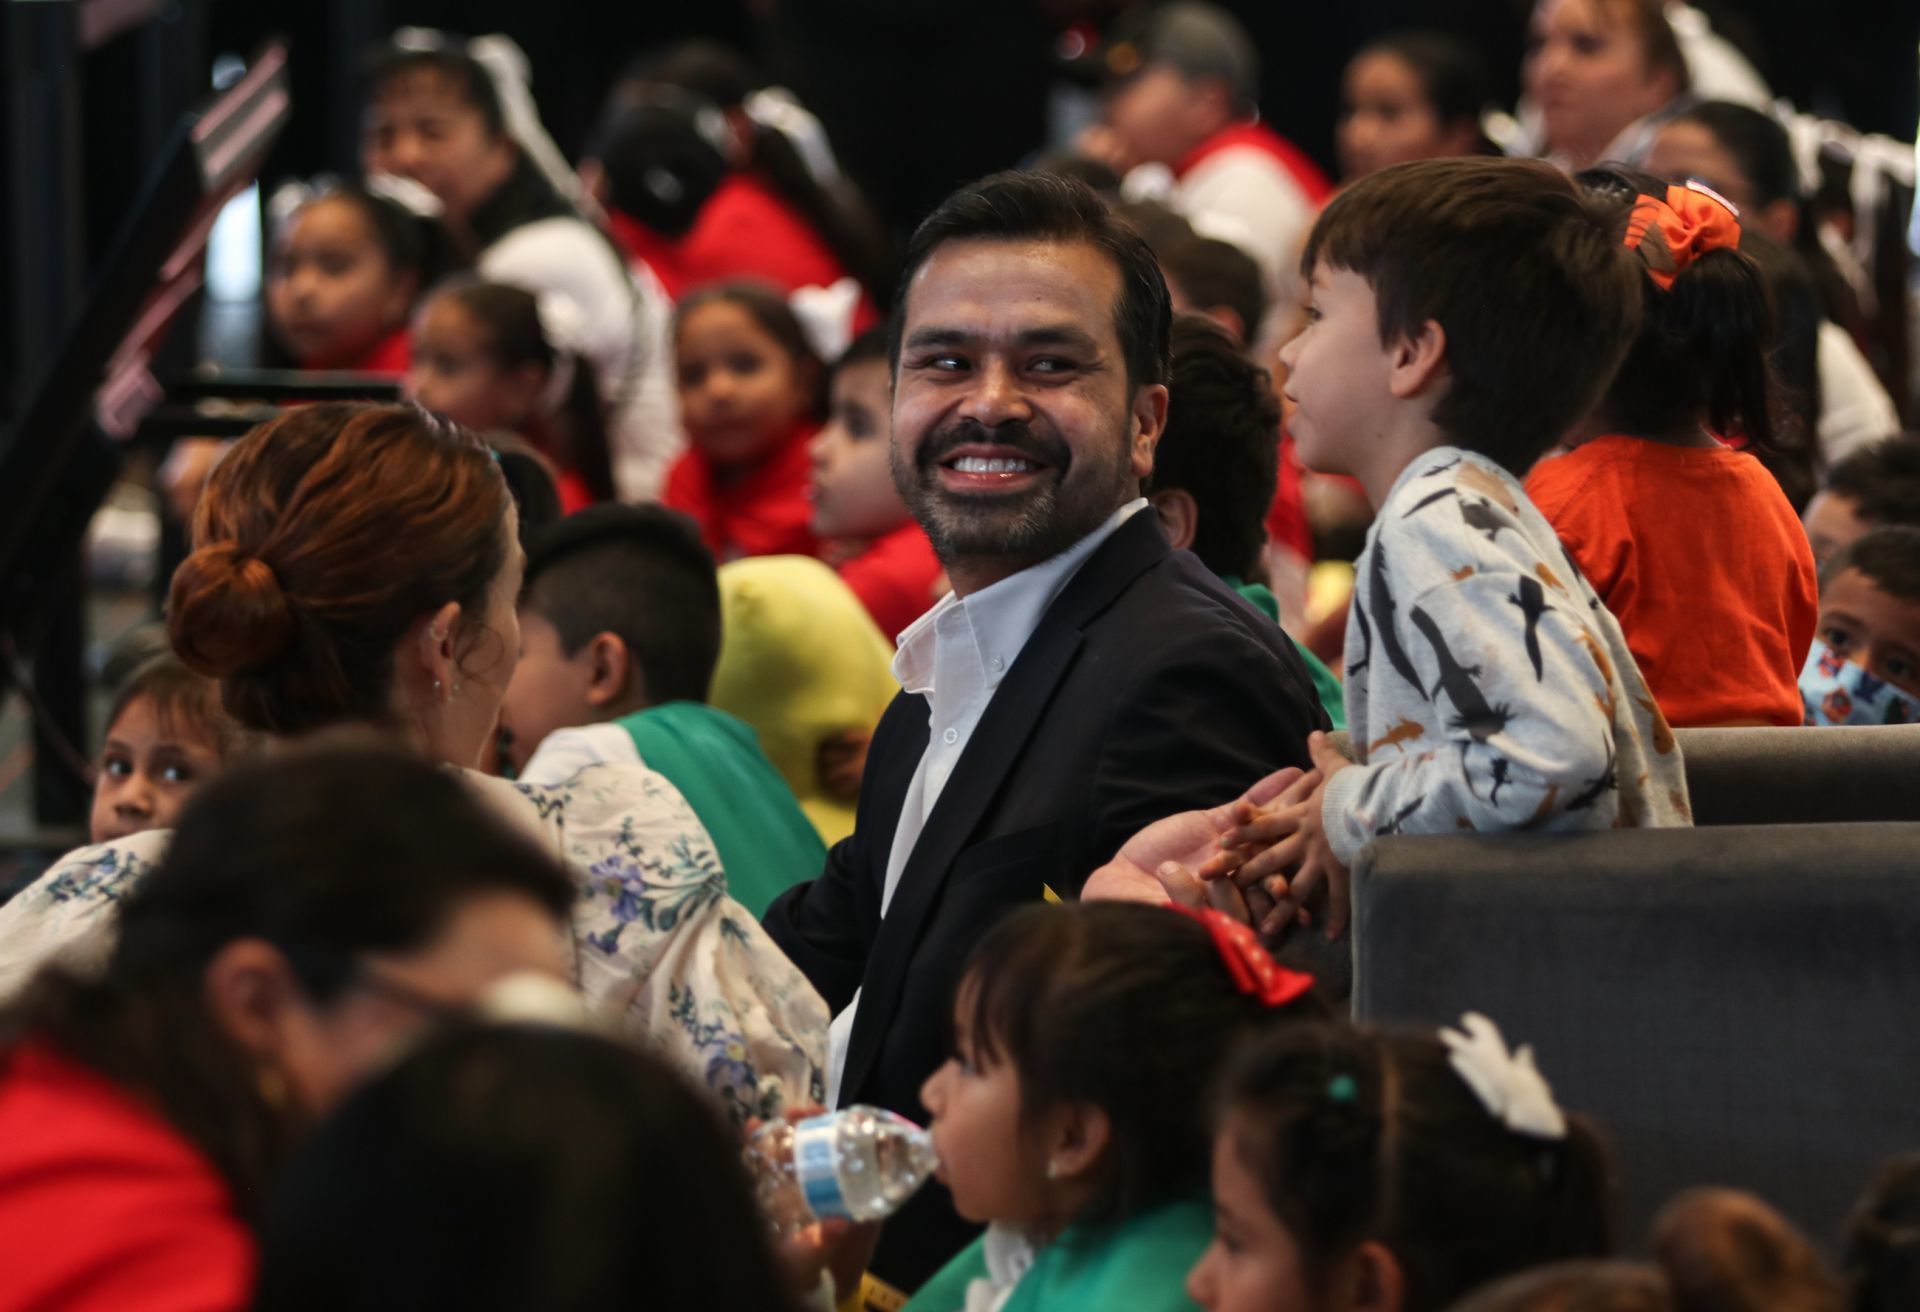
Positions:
(1283, 851)
(1157, 864)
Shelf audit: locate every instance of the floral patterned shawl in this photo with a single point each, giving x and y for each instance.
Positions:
(657, 941)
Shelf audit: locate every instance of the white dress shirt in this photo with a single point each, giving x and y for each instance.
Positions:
(955, 656)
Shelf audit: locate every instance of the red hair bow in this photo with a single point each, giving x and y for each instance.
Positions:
(1254, 971)
(1670, 234)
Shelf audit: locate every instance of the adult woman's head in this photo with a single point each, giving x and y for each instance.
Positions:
(1357, 1169)
(515, 1167)
(435, 117)
(313, 912)
(1411, 95)
(1742, 154)
(1595, 67)
(355, 564)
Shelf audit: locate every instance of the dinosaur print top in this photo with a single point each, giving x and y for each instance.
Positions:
(1487, 687)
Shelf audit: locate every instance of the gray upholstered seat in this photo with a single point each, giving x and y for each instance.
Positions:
(1735, 1005)
(1793, 776)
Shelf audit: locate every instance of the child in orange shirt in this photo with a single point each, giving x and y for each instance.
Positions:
(751, 388)
(1690, 542)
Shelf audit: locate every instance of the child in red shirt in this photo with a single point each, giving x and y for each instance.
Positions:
(750, 398)
(344, 272)
(499, 358)
(871, 539)
(1691, 544)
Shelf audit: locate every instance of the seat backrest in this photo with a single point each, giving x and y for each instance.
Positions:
(1734, 1006)
(1796, 776)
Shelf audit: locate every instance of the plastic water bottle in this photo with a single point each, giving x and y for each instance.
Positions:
(857, 1164)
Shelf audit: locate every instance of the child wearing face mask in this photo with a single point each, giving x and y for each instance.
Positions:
(1395, 1173)
(869, 536)
(1086, 1162)
(499, 358)
(750, 398)
(1864, 667)
(345, 269)
(166, 735)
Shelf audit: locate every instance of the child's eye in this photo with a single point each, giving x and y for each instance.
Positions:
(1835, 638)
(116, 767)
(1312, 315)
(336, 266)
(1899, 667)
(178, 774)
(745, 365)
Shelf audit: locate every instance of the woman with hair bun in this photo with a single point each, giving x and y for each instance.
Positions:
(359, 565)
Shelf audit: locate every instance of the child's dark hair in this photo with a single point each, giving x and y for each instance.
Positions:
(1882, 481)
(451, 63)
(412, 243)
(838, 212)
(1889, 556)
(1882, 1257)
(1795, 356)
(1127, 1007)
(530, 481)
(331, 853)
(1216, 273)
(1221, 444)
(577, 430)
(1727, 1251)
(1452, 76)
(770, 310)
(1603, 1286)
(869, 346)
(1701, 353)
(642, 574)
(1361, 1135)
(1538, 300)
(511, 1167)
(183, 703)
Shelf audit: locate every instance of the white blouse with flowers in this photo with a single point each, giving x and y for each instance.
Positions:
(657, 941)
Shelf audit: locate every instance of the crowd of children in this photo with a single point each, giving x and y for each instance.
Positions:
(417, 958)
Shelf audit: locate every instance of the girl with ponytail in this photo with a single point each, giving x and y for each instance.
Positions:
(1360, 1171)
(1662, 502)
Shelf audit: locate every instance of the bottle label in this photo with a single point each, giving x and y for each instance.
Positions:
(816, 1165)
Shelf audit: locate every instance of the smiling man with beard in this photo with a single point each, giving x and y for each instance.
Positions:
(1083, 680)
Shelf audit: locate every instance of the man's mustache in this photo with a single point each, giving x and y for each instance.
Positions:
(1016, 435)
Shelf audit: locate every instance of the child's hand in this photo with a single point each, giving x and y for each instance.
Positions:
(1283, 850)
(1154, 865)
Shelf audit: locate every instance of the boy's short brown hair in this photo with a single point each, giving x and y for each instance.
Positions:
(1538, 299)
(185, 704)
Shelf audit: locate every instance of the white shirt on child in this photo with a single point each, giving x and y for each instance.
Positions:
(1487, 686)
(955, 656)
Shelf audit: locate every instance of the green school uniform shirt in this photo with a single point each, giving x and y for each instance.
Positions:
(1141, 1265)
(765, 842)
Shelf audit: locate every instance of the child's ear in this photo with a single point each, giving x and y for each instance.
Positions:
(1081, 1133)
(613, 677)
(1179, 516)
(1379, 1285)
(1419, 360)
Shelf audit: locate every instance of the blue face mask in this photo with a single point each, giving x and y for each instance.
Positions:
(1836, 691)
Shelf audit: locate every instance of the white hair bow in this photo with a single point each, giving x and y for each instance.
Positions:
(1507, 1083)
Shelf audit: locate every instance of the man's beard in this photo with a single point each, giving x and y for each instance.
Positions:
(1016, 528)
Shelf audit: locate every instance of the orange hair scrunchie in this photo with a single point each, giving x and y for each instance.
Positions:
(1670, 234)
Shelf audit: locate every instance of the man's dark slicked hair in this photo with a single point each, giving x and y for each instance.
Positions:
(1538, 299)
(642, 574)
(1020, 206)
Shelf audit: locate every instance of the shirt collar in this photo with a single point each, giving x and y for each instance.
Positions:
(999, 617)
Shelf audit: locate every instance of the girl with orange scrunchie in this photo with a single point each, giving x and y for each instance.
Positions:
(1662, 502)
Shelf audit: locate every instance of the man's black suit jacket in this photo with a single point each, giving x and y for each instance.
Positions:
(1148, 688)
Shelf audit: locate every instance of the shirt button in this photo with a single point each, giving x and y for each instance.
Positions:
(998, 665)
(951, 736)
